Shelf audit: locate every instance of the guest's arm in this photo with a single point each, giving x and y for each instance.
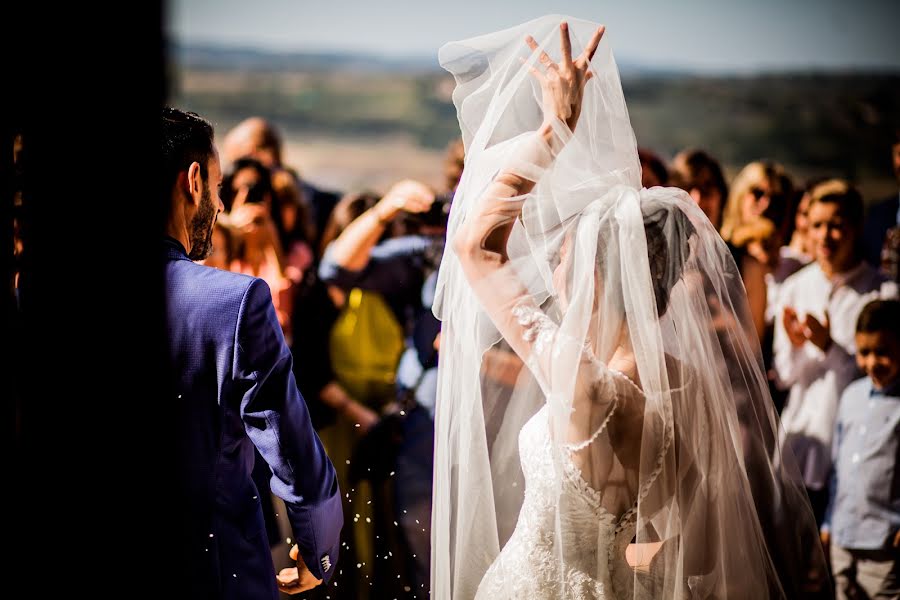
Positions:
(352, 248)
(386, 271)
(335, 396)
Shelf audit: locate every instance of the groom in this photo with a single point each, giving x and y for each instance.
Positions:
(233, 389)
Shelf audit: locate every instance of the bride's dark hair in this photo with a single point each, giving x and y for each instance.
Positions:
(668, 234)
(668, 231)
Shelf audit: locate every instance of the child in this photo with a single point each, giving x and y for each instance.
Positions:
(863, 515)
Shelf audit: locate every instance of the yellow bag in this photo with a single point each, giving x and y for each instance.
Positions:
(366, 343)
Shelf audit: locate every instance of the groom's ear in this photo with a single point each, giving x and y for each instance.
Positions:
(193, 183)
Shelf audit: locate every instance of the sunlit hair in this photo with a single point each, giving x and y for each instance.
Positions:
(751, 175)
(842, 193)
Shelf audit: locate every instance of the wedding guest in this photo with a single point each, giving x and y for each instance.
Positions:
(248, 197)
(862, 523)
(653, 169)
(754, 224)
(699, 174)
(258, 138)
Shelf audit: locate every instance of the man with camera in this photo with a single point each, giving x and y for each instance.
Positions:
(402, 270)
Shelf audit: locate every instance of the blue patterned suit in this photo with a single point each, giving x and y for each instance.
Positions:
(234, 389)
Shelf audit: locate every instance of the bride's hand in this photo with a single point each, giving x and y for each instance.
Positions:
(562, 84)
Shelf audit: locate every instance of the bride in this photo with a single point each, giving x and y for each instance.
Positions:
(603, 427)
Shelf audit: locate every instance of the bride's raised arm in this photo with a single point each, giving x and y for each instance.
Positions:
(481, 240)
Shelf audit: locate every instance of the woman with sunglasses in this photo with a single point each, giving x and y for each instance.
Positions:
(754, 225)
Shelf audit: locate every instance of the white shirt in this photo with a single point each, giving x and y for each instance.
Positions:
(789, 262)
(816, 379)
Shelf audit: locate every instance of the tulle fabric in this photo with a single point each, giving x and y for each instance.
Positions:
(687, 494)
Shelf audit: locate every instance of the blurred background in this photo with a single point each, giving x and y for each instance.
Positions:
(748, 106)
(360, 97)
(356, 92)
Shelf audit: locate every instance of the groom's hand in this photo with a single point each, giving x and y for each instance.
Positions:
(295, 580)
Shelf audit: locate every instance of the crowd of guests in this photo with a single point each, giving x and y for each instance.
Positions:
(352, 278)
(821, 276)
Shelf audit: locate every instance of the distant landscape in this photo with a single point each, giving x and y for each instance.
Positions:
(353, 122)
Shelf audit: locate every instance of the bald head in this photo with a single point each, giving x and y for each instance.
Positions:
(254, 137)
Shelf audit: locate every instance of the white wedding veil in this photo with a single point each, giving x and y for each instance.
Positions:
(680, 459)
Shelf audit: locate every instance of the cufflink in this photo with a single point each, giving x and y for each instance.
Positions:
(326, 563)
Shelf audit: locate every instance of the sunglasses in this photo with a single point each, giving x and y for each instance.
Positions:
(758, 194)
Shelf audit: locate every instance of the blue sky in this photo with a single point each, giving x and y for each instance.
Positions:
(702, 35)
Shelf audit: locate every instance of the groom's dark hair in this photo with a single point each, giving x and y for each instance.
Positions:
(185, 137)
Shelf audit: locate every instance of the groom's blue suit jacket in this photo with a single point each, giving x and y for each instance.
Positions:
(234, 389)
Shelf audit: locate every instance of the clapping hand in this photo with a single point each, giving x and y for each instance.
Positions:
(562, 84)
(819, 333)
(793, 327)
(810, 329)
(294, 580)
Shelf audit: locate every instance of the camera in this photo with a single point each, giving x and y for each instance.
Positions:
(439, 213)
(433, 225)
(256, 193)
